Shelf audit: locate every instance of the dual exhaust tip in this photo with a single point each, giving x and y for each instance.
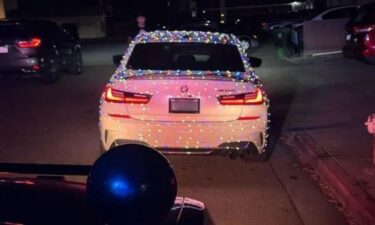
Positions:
(250, 152)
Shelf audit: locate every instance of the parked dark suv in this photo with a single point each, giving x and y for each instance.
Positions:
(360, 35)
(38, 48)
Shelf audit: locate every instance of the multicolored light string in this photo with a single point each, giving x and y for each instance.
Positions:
(122, 73)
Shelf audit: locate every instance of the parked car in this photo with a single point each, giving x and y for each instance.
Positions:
(245, 28)
(360, 35)
(289, 36)
(281, 20)
(198, 85)
(340, 12)
(296, 19)
(38, 48)
(248, 32)
(201, 25)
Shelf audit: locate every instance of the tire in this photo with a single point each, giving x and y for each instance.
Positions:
(101, 149)
(251, 156)
(369, 61)
(262, 157)
(51, 76)
(77, 63)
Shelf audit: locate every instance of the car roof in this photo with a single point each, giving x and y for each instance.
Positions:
(26, 22)
(159, 36)
(340, 7)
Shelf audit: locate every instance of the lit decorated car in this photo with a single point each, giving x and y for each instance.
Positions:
(186, 92)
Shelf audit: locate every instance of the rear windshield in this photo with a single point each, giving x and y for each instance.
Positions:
(14, 31)
(185, 56)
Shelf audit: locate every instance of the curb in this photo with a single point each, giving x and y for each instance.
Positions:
(354, 199)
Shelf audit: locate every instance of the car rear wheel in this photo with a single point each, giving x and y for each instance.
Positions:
(101, 148)
(369, 61)
(50, 76)
(251, 154)
(77, 63)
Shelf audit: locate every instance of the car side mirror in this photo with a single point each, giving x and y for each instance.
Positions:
(255, 62)
(117, 60)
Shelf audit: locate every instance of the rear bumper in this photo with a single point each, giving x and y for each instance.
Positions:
(223, 149)
(357, 51)
(184, 137)
(20, 65)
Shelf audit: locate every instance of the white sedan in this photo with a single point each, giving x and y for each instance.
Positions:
(186, 92)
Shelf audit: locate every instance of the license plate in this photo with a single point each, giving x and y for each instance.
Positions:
(3, 49)
(348, 37)
(184, 105)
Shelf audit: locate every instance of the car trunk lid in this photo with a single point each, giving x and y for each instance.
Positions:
(184, 98)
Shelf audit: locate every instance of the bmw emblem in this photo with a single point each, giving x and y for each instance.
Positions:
(184, 89)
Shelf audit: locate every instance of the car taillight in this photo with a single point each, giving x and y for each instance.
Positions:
(32, 43)
(370, 39)
(113, 95)
(252, 98)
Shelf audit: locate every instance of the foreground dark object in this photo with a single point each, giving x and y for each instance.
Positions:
(130, 184)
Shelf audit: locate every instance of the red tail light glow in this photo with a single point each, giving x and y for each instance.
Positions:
(113, 95)
(119, 116)
(252, 98)
(370, 39)
(248, 118)
(36, 67)
(32, 43)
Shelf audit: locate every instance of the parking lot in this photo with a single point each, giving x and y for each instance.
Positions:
(59, 124)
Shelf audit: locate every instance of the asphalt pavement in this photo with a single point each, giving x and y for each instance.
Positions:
(328, 129)
(59, 124)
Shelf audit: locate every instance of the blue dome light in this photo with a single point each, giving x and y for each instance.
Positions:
(131, 184)
(120, 187)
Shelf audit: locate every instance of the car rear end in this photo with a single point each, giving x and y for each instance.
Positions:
(180, 110)
(210, 115)
(360, 35)
(20, 48)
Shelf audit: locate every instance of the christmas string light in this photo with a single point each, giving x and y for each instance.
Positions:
(154, 131)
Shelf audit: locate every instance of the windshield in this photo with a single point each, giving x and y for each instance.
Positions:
(14, 31)
(185, 56)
